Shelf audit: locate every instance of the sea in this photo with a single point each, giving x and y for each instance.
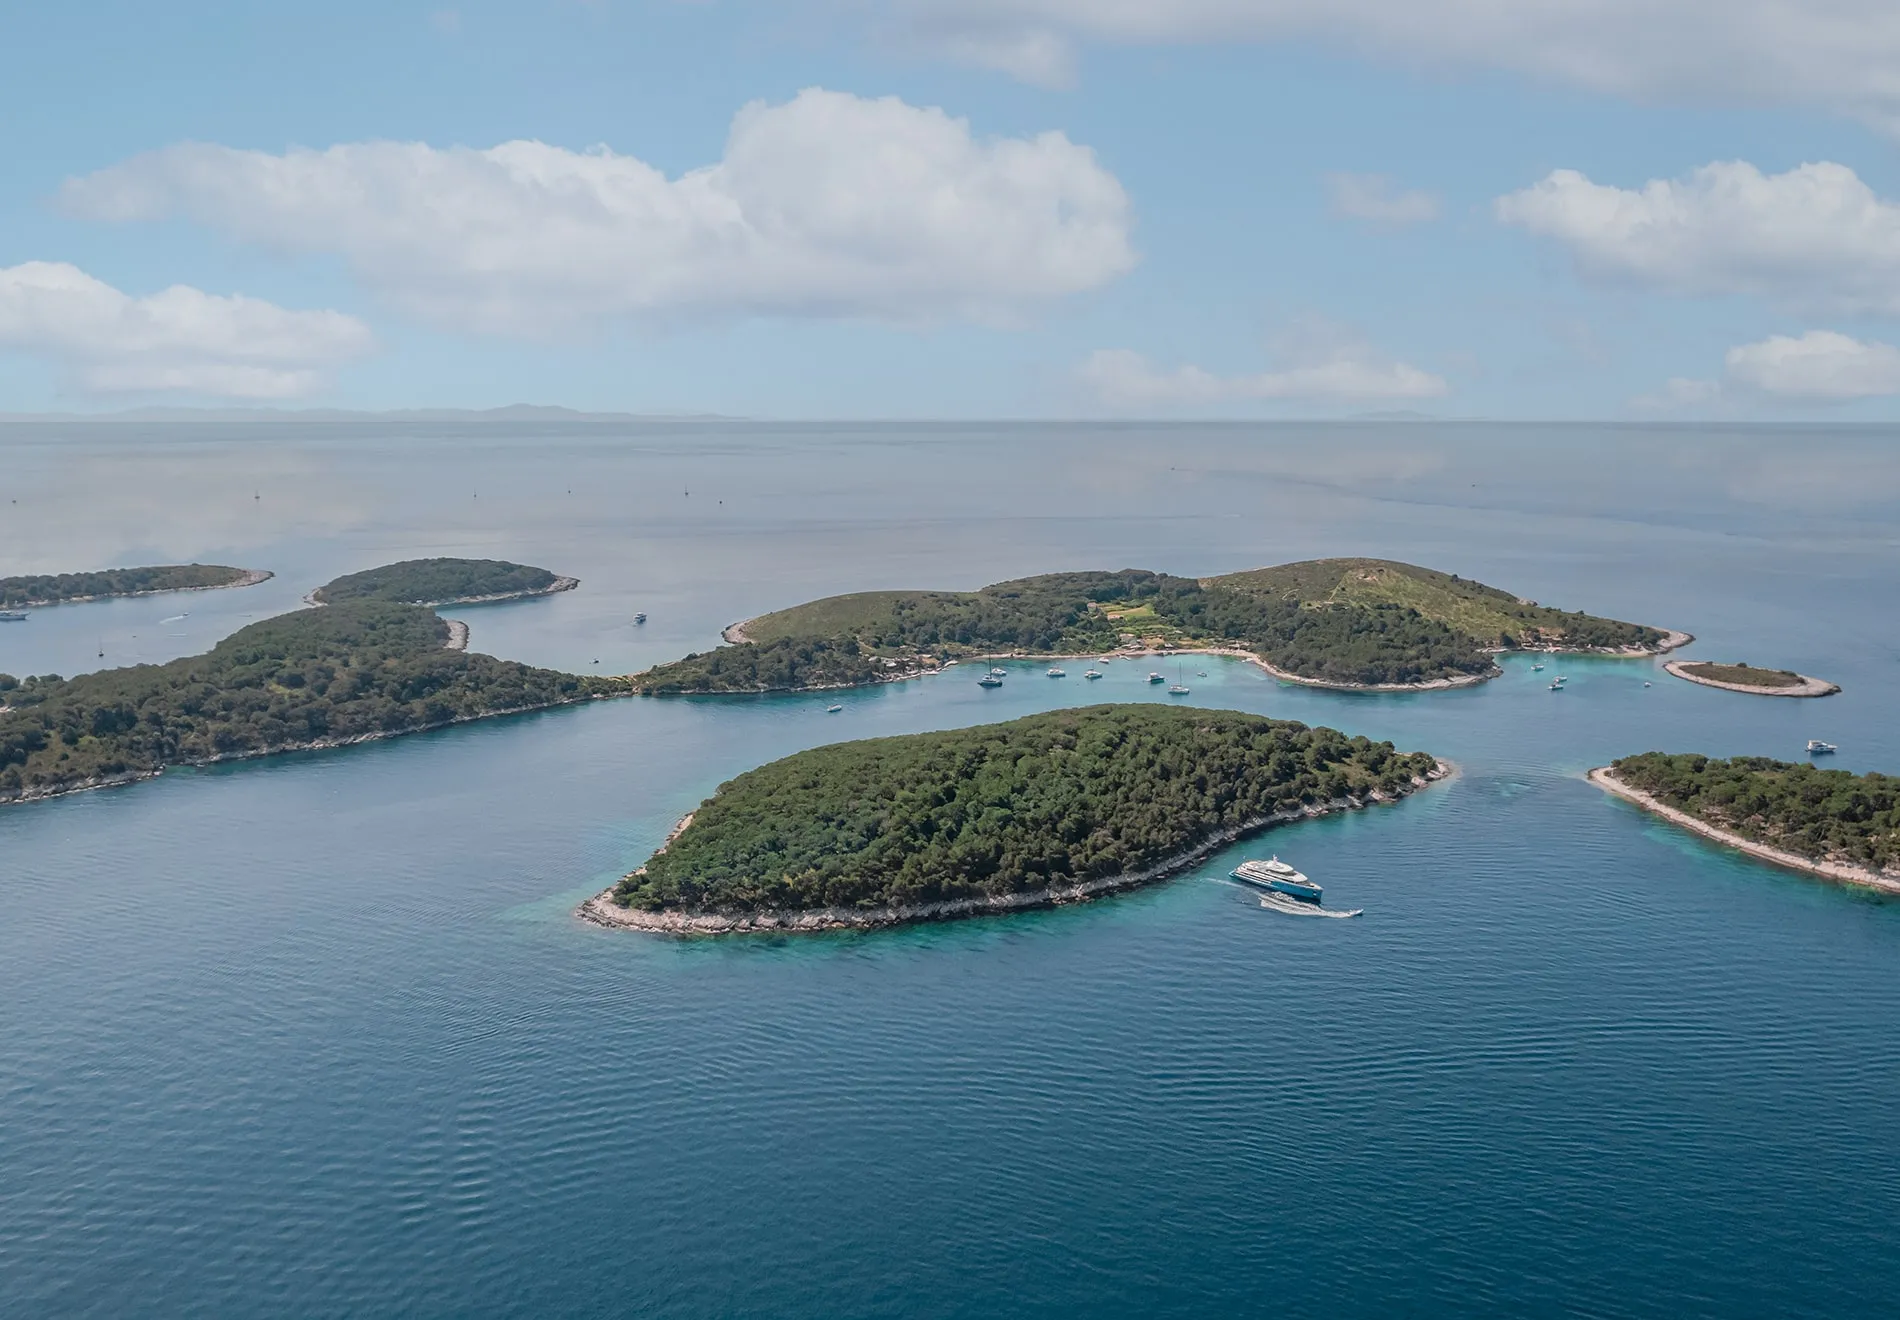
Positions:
(321, 1035)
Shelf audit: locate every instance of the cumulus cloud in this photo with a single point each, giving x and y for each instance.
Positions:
(181, 340)
(1374, 199)
(1821, 366)
(1837, 54)
(828, 205)
(1126, 380)
(1814, 237)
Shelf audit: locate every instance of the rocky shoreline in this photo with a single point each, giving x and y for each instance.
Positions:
(1604, 777)
(601, 910)
(1808, 687)
(735, 634)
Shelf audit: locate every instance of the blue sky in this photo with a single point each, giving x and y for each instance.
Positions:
(992, 208)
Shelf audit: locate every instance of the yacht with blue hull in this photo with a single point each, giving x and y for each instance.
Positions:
(1277, 876)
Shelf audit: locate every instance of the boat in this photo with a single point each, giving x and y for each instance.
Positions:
(1646, 683)
(1277, 876)
(998, 670)
(1200, 673)
(1818, 748)
(1556, 687)
(833, 710)
(1057, 673)
(12, 616)
(990, 681)
(640, 617)
(1156, 678)
(1177, 688)
(1092, 674)
(1535, 668)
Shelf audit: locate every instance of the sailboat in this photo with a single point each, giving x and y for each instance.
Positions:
(1177, 688)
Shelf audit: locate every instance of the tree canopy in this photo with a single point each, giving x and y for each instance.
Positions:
(1826, 815)
(359, 669)
(1068, 796)
(437, 582)
(50, 589)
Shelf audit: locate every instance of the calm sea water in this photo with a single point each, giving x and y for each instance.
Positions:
(321, 1036)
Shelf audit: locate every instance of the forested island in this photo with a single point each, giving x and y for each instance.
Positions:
(359, 670)
(1348, 623)
(1046, 809)
(444, 582)
(57, 588)
(1832, 823)
(1741, 677)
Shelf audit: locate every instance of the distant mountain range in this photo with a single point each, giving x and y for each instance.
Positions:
(514, 412)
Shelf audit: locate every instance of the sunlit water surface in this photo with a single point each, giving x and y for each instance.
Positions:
(321, 1035)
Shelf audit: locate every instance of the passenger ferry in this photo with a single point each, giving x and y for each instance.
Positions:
(1277, 876)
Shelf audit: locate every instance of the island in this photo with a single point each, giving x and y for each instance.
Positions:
(68, 588)
(1356, 624)
(359, 670)
(1047, 809)
(436, 582)
(1830, 823)
(1746, 678)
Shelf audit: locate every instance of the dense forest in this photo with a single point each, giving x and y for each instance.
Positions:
(1069, 796)
(364, 668)
(437, 582)
(1828, 815)
(51, 589)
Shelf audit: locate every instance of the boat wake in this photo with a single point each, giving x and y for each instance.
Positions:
(1294, 907)
(1297, 907)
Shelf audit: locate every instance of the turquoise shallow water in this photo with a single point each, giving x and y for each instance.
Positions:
(320, 1035)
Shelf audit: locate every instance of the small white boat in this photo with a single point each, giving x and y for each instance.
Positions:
(1156, 678)
(1092, 674)
(1277, 876)
(1200, 673)
(833, 710)
(12, 616)
(1818, 748)
(175, 618)
(1057, 673)
(1178, 689)
(998, 671)
(990, 681)
(1556, 687)
(640, 617)
(948, 663)
(1535, 668)
(1646, 683)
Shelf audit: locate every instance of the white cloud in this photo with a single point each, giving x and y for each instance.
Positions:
(1372, 198)
(1124, 379)
(1838, 54)
(181, 340)
(828, 205)
(1821, 366)
(1814, 237)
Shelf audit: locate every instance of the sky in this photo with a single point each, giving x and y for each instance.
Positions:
(1565, 209)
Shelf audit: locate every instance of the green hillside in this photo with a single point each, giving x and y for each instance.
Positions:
(50, 589)
(1347, 622)
(1057, 798)
(438, 582)
(1485, 614)
(359, 669)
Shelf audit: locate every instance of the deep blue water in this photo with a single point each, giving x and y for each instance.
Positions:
(320, 1035)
